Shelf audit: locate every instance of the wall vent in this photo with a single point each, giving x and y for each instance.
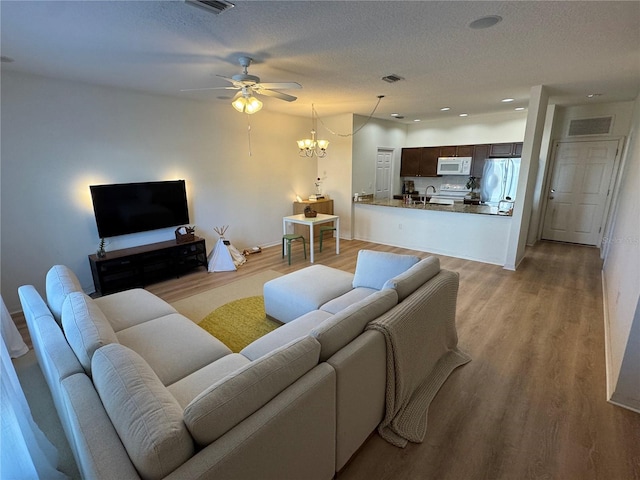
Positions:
(215, 6)
(579, 127)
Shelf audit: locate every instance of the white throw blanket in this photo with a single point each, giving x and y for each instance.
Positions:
(422, 352)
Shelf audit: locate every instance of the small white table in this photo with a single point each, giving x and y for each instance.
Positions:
(311, 221)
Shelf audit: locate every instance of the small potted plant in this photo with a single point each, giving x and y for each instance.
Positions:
(101, 252)
(473, 184)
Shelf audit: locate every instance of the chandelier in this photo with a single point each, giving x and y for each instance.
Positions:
(246, 103)
(310, 146)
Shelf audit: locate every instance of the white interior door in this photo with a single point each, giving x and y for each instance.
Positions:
(580, 185)
(384, 163)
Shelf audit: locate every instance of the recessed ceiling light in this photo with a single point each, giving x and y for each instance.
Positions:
(445, 109)
(416, 120)
(485, 22)
(395, 114)
(519, 109)
(507, 100)
(593, 95)
(464, 114)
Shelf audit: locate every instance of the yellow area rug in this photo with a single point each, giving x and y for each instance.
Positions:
(233, 313)
(198, 306)
(239, 323)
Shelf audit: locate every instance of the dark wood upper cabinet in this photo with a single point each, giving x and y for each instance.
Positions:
(464, 151)
(501, 150)
(517, 150)
(457, 151)
(423, 161)
(448, 151)
(410, 162)
(419, 162)
(506, 150)
(429, 162)
(480, 154)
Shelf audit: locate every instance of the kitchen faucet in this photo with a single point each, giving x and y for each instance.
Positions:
(426, 193)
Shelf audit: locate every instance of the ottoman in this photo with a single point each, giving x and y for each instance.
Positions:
(291, 296)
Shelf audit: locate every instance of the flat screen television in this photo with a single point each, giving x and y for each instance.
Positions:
(139, 207)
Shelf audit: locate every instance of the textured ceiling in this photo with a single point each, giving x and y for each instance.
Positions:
(338, 51)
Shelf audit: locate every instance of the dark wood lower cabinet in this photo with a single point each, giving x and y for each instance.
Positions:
(139, 266)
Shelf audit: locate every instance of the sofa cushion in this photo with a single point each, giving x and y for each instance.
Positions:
(131, 307)
(173, 346)
(191, 386)
(340, 329)
(408, 282)
(349, 298)
(288, 332)
(293, 295)
(234, 398)
(373, 268)
(143, 412)
(60, 282)
(85, 327)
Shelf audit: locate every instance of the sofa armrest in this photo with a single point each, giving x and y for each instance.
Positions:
(95, 444)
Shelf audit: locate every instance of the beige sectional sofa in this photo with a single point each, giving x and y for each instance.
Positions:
(143, 392)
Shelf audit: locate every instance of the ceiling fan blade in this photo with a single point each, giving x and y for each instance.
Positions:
(228, 79)
(281, 85)
(207, 88)
(274, 93)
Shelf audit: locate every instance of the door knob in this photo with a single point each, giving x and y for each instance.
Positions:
(551, 192)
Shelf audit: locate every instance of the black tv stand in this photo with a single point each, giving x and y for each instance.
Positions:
(140, 266)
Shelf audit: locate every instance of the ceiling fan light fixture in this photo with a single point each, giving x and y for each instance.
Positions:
(253, 105)
(239, 104)
(249, 105)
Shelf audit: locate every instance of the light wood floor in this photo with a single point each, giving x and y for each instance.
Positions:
(531, 404)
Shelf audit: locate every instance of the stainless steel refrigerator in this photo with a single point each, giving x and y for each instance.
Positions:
(499, 180)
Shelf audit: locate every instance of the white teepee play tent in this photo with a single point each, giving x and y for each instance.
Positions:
(224, 257)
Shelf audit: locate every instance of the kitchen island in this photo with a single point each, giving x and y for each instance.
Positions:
(472, 232)
(457, 207)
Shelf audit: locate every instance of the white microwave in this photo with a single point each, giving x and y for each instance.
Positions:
(454, 165)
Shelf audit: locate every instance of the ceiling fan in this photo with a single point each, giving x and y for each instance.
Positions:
(248, 84)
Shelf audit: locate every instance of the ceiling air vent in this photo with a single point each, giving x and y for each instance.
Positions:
(590, 126)
(393, 78)
(216, 6)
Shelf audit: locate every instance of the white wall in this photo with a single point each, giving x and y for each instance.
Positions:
(621, 111)
(621, 279)
(523, 206)
(478, 129)
(335, 169)
(375, 134)
(59, 137)
(464, 235)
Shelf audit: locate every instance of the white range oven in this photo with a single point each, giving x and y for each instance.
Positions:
(452, 191)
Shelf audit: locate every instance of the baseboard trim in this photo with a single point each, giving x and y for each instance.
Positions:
(607, 340)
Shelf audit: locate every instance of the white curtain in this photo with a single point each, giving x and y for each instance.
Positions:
(11, 335)
(25, 453)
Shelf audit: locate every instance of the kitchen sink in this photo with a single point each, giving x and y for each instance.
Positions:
(441, 201)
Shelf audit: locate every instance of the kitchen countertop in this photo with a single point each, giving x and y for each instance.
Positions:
(456, 207)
